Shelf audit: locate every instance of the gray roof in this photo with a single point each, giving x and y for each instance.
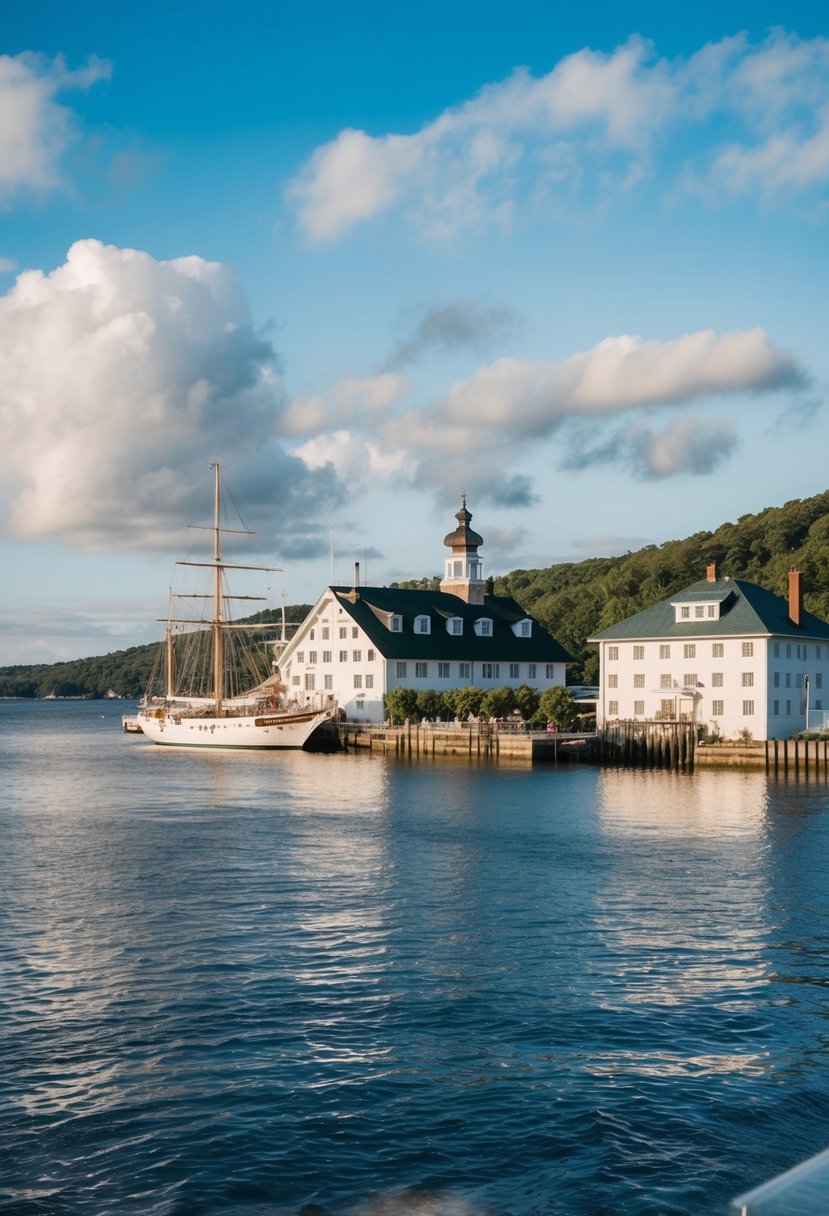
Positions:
(502, 647)
(745, 609)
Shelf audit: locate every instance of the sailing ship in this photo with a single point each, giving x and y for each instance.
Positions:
(203, 703)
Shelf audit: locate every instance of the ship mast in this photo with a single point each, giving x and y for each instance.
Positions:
(218, 663)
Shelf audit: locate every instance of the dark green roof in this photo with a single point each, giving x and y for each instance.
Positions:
(745, 609)
(502, 647)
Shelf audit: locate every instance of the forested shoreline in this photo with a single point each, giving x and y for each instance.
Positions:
(571, 599)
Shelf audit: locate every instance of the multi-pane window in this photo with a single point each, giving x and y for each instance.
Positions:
(491, 671)
(369, 680)
(613, 681)
(421, 671)
(665, 681)
(639, 680)
(775, 679)
(355, 632)
(531, 671)
(464, 671)
(685, 612)
(326, 633)
(526, 629)
(311, 638)
(309, 681)
(748, 679)
(514, 671)
(666, 707)
(612, 653)
(639, 652)
(775, 708)
(343, 656)
(664, 651)
(343, 631)
(748, 708)
(639, 709)
(401, 671)
(326, 656)
(689, 650)
(613, 709)
(357, 656)
(716, 679)
(550, 671)
(422, 624)
(358, 680)
(699, 610)
(748, 650)
(717, 708)
(443, 671)
(690, 680)
(300, 656)
(329, 683)
(370, 656)
(717, 650)
(312, 657)
(776, 650)
(483, 627)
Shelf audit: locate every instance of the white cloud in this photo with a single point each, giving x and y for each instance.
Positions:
(34, 128)
(121, 378)
(355, 400)
(511, 401)
(594, 124)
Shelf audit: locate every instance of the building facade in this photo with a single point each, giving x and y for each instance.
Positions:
(723, 653)
(358, 643)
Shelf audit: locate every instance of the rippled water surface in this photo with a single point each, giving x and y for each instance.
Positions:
(250, 984)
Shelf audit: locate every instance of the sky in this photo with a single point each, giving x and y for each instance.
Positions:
(568, 261)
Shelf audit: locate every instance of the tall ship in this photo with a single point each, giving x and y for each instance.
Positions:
(216, 684)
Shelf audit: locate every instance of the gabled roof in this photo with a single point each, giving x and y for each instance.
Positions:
(502, 647)
(745, 609)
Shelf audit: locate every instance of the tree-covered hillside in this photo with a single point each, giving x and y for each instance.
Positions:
(572, 599)
(125, 672)
(575, 600)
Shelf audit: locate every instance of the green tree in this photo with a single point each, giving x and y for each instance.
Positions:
(466, 701)
(401, 703)
(430, 705)
(557, 705)
(526, 700)
(498, 703)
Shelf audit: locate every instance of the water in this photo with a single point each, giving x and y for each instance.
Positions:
(248, 984)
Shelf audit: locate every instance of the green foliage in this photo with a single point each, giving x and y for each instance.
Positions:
(124, 672)
(498, 703)
(574, 600)
(557, 705)
(526, 700)
(401, 703)
(431, 705)
(465, 702)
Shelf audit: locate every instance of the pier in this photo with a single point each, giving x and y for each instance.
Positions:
(646, 745)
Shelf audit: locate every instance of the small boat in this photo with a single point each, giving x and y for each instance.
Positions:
(202, 704)
(131, 725)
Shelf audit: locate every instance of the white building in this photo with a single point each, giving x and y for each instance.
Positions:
(358, 643)
(724, 653)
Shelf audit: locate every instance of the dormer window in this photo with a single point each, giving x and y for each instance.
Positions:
(523, 629)
(454, 626)
(707, 610)
(396, 623)
(483, 627)
(422, 624)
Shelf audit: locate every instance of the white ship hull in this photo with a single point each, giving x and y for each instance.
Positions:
(263, 730)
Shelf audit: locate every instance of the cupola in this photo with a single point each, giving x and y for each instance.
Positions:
(463, 569)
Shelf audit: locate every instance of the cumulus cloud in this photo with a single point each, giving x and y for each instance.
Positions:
(34, 128)
(121, 378)
(686, 445)
(454, 326)
(592, 125)
(354, 400)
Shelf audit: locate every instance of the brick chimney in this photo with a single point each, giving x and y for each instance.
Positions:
(795, 597)
(711, 572)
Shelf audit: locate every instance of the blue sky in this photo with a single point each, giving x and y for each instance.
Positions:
(571, 261)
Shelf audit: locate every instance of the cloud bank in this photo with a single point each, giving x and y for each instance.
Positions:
(121, 379)
(491, 420)
(596, 124)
